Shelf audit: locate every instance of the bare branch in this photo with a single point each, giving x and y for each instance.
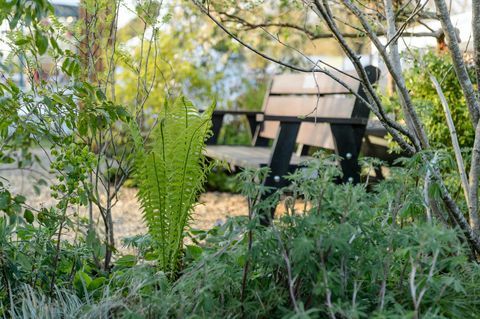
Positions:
(476, 37)
(248, 26)
(410, 115)
(391, 126)
(456, 149)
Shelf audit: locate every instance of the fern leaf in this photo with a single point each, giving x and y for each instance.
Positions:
(171, 174)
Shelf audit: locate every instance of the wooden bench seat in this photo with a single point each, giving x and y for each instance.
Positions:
(247, 156)
(301, 111)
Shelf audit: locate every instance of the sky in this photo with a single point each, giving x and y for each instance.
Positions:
(125, 15)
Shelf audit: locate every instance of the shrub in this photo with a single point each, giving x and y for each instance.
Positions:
(428, 102)
(351, 254)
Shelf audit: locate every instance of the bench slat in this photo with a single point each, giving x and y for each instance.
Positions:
(305, 83)
(246, 156)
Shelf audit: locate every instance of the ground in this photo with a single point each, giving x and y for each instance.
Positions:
(213, 207)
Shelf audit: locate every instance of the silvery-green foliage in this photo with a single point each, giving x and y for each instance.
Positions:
(35, 305)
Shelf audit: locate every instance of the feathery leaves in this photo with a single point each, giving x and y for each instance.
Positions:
(171, 173)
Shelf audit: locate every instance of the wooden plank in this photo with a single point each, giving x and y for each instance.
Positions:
(338, 105)
(312, 83)
(311, 119)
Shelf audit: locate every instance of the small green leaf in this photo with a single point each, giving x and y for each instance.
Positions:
(22, 41)
(149, 256)
(4, 200)
(20, 199)
(126, 261)
(41, 42)
(100, 95)
(28, 215)
(96, 283)
(194, 251)
(55, 45)
(81, 280)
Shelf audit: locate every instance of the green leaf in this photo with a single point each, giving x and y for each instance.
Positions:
(82, 126)
(81, 280)
(55, 45)
(100, 95)
(96, 283)
(4, 200)
(20, 199)
(41, 42)
(22, 41)
(193, 251)
(150, 256)
(28, 215)
(126, 261)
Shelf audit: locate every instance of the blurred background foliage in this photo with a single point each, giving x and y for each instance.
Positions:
(427, 100)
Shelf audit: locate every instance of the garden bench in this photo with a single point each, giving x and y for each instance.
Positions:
(301, 111)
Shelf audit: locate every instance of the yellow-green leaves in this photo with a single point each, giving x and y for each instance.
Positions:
(170, 173)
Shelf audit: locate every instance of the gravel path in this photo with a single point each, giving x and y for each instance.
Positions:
(213, 207)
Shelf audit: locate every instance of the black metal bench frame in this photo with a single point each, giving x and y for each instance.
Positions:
(347, 134)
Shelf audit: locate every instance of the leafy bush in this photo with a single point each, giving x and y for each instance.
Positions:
(348, 254)
(426, 98)
(353, 254)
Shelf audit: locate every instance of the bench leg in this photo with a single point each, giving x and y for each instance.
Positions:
(217, 121)
(347, 139)
(279, 164)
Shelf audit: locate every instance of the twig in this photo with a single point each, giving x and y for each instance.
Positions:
(454, 138)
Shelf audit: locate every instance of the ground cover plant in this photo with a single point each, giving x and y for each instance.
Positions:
(352, 254)
(84, 112)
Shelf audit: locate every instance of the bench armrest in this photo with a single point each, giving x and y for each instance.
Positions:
(217, 121)
(311, 119)
(237, 112)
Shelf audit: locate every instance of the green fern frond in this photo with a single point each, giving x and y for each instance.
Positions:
(171, 174)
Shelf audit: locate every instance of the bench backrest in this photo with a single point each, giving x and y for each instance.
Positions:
(313, 94)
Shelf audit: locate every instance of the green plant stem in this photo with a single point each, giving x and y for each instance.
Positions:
(57, 251)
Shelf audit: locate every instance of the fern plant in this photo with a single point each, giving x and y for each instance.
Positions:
(171, 172)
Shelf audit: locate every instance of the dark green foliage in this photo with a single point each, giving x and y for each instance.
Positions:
(221, 180)
(351, 254)
(171, 173)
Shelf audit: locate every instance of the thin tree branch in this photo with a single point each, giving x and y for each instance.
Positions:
(248, 26)
(412, 119)
(457, 150)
